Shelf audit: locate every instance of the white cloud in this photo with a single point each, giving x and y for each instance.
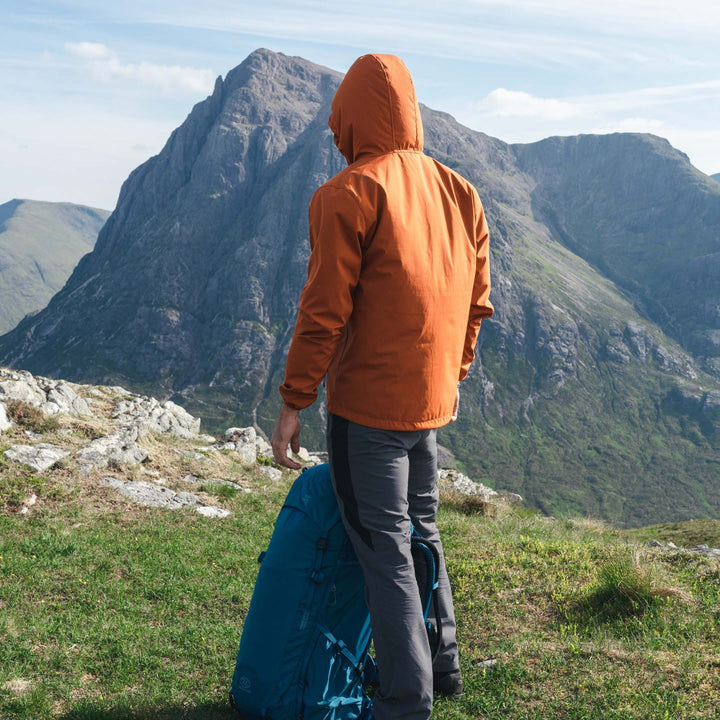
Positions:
(513, 103)
(106, 66)
(516, 103)
(88, 50)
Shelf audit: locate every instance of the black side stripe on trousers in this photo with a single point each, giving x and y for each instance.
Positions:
(343, 481)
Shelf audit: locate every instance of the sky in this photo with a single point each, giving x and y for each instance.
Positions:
(89, 90)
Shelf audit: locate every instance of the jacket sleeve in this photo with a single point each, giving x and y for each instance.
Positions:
(480, 305)
(337, 229)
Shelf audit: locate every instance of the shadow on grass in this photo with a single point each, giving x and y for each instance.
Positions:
(207, 711)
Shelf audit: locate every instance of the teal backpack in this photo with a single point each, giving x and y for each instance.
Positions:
(304, 647)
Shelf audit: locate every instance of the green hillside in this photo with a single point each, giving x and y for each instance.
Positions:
(114, 611)
(40, 245)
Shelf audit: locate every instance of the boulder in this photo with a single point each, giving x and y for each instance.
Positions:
(464, 485)
(243, 441)
(273, 473)
(37, 457)
(117, 448)
(20, 386)
(61, 398)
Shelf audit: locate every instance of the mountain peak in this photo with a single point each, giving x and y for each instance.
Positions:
(604, 248)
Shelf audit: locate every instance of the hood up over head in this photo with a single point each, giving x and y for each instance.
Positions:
(375, 109)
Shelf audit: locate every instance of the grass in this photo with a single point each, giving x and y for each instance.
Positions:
(111, 611)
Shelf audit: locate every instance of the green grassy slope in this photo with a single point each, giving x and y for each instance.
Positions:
(111, 611)
(40, 244)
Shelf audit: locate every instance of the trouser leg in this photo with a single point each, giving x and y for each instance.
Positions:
(370, 471)
(423, 505)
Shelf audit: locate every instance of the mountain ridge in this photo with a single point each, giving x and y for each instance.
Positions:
(578, 400)
(40, 245)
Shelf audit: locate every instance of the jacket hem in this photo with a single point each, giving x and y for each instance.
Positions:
(389, 423)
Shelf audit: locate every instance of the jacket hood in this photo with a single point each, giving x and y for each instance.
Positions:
(375, 109)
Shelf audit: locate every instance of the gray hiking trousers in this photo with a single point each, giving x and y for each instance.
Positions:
(384, 480)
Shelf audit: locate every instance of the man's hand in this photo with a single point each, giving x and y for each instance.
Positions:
(286, 432)
(456, 406)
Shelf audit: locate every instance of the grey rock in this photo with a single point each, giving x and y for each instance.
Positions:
(235, 434)
(118, 448)
(243, 441)
(37, 457)
(212, 511)
(61, 398)
(464, 485)
(674, 361)
(17, 387)
(5, 421)
(273, 473)
(152, 495)
(445, 457)
(247, 452)
(149, 415)
(51, 396)
(147, 493)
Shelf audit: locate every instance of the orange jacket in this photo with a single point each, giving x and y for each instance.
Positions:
(398, 277)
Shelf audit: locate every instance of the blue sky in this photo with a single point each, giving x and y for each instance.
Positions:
(89, 90)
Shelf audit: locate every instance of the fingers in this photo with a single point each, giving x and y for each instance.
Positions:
(456, 406)
(286, 432)
(283, 459)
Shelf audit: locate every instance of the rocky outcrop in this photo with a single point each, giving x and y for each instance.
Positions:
(51, 396)
(135, 418)
(146, 415)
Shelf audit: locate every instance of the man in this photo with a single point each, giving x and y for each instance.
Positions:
(398, 283)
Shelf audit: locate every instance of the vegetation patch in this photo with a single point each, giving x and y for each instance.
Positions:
(29, 417)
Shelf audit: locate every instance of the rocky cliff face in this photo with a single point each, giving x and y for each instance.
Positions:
(635, 208)
(578, 400)
(40, 245)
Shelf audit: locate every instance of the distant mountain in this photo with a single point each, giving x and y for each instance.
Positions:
(586, 396)
(716, 176)
(638, 211)
(40, 245)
